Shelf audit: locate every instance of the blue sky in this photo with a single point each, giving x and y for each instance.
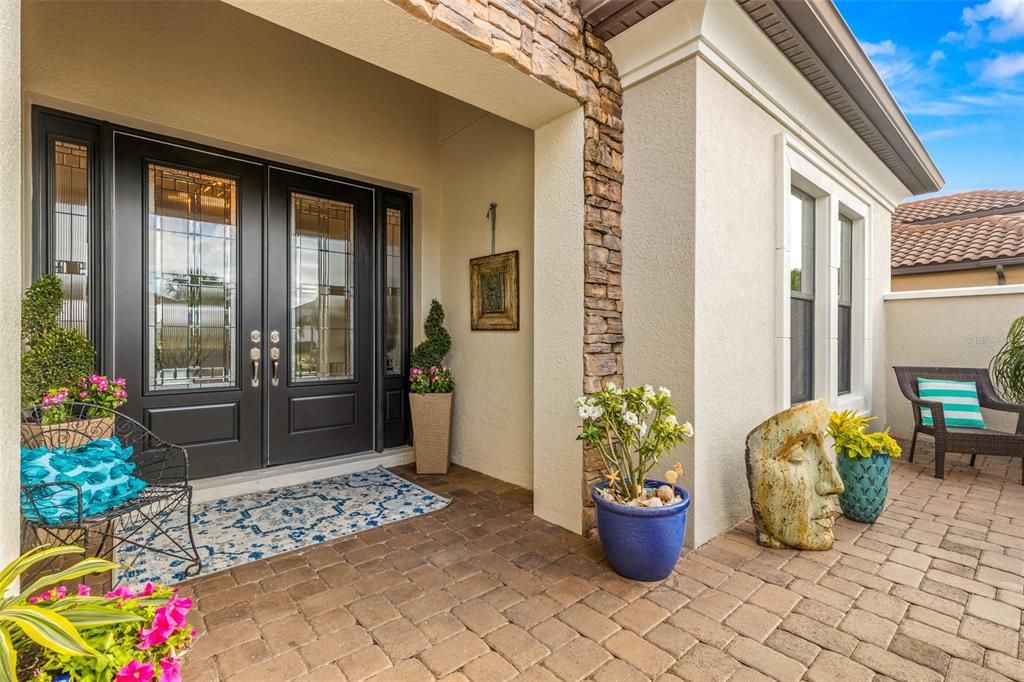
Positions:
(957, 69)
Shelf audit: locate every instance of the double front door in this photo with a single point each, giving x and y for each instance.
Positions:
(247, 306)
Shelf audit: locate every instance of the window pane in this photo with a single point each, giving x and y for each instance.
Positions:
(322, 276)
(801, 241)
(845, 303)
(70, 230)
(393, 341)
(845, 337)
(801, 349)
(845, 260)
(192, 279)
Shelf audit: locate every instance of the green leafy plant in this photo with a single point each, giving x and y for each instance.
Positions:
(849, 431)
(434, 380)
(54, 356)
(437, 345)
(1007, 366)
(631, 428)
(26, 623)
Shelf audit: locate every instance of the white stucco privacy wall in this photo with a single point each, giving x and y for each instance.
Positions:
(946, 328)
(10, 274)
(748, 103)
(483, 159)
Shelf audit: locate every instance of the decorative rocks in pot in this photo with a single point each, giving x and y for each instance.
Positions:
(641, 522)
(863, 460)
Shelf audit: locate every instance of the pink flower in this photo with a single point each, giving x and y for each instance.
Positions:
(121, 592)
(121, 394)
(60, 592)
(170, 670)
(167, 619)
(134, 671)
(83, 394)
(84, 590)
(119, 381)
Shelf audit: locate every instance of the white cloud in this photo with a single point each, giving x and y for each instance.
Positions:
(884, 48)
(1003, 67)
(935, 57)
(1003, 19)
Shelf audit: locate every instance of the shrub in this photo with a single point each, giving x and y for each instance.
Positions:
(55, 356)
(847, 429)
(1007, 366)
(434, 349)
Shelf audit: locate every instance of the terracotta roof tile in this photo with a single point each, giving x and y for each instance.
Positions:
(954, 241)
(952, 205)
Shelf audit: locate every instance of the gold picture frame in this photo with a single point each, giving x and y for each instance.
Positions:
(494, 292)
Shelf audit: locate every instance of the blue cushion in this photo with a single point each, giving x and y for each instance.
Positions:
(103, 468)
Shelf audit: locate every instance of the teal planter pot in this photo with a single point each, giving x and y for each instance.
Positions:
(866, 480)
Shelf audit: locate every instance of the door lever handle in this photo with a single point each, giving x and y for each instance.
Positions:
(275, 355)
(254, 355)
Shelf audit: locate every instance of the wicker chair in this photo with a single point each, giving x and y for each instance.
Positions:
(952, 439)
(138, 522)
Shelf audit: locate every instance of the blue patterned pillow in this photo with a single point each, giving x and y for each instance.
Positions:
(102, 468)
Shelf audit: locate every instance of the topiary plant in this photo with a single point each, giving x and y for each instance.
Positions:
(54, 356)
(1007, 366)
(432, 352)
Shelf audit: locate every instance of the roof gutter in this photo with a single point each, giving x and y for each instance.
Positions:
(855, 89)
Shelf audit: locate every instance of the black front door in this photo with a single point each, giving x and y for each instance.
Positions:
(320, 301)
(243, 306)
(188, 294)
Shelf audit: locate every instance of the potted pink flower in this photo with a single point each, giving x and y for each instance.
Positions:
(89, 404)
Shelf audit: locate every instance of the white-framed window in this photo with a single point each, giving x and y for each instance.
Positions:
(823, 285)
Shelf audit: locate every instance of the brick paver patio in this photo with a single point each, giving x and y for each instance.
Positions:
(485, 591)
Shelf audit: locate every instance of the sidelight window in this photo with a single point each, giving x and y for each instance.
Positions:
(801, 285)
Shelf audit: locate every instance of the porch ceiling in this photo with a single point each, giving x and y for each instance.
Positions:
(387, 36)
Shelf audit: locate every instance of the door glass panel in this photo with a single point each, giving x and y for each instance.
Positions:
(393, 342)
(70, 232)
(192, 304)
(321, 233)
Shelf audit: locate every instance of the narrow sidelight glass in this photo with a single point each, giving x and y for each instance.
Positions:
(321, 241)
(192, 280)
(845, 311)
(801, 284)
(70, 217)
(393, 337)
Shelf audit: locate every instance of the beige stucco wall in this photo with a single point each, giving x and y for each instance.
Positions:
(10, 274)
(558, 319)
(213, 73)
(946, 329)
(483, 159)
(658, 245)
(953, 279)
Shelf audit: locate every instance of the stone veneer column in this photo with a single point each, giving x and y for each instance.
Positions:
(549, 40)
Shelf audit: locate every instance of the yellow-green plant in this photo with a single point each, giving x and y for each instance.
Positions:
(849, 431)
(56, 626)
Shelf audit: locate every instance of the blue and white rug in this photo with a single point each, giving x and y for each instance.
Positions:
(236, 530)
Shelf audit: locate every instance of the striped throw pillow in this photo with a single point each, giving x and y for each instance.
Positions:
(959, 402)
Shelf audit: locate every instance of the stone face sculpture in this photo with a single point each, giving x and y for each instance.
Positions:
(792, 478)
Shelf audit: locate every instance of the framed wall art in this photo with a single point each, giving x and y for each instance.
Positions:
(494, 292)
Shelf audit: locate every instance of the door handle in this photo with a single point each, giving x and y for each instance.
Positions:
(254, 355)
(275, 355)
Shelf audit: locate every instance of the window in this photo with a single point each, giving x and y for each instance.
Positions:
(801, 285)
(394, 341)
(845, 309)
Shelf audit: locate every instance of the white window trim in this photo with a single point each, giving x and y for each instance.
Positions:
(800, 167)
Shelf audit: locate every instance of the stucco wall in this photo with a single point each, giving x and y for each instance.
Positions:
(953, 279)
(10, 274)
(483, 159)
(946, 329)
(659, 223)
(211, 72)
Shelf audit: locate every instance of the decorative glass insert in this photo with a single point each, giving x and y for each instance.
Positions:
(193, 279)
(70, 230)
(845, 310)
(393, 338)
(801, 285)
(321, 234)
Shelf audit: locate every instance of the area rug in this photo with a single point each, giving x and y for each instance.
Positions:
(236, 530)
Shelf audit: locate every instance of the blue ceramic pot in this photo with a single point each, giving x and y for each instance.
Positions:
(866, 480)
(641, 543)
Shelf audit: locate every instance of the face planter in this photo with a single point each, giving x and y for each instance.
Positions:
(792, 478)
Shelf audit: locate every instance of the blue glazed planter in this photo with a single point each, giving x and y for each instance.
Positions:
(641, 543)
(866, 480)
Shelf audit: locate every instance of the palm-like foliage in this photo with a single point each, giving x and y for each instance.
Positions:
(848, 430)
(1007, 367)
(53, 626)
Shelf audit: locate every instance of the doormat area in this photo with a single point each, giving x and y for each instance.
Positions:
(236, 530)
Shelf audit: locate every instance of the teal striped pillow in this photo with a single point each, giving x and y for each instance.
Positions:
(959, 402)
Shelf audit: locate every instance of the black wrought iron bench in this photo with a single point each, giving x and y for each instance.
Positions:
(953, 439)
(138, 521)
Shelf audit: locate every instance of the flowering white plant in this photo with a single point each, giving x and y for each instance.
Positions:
(631, 428)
